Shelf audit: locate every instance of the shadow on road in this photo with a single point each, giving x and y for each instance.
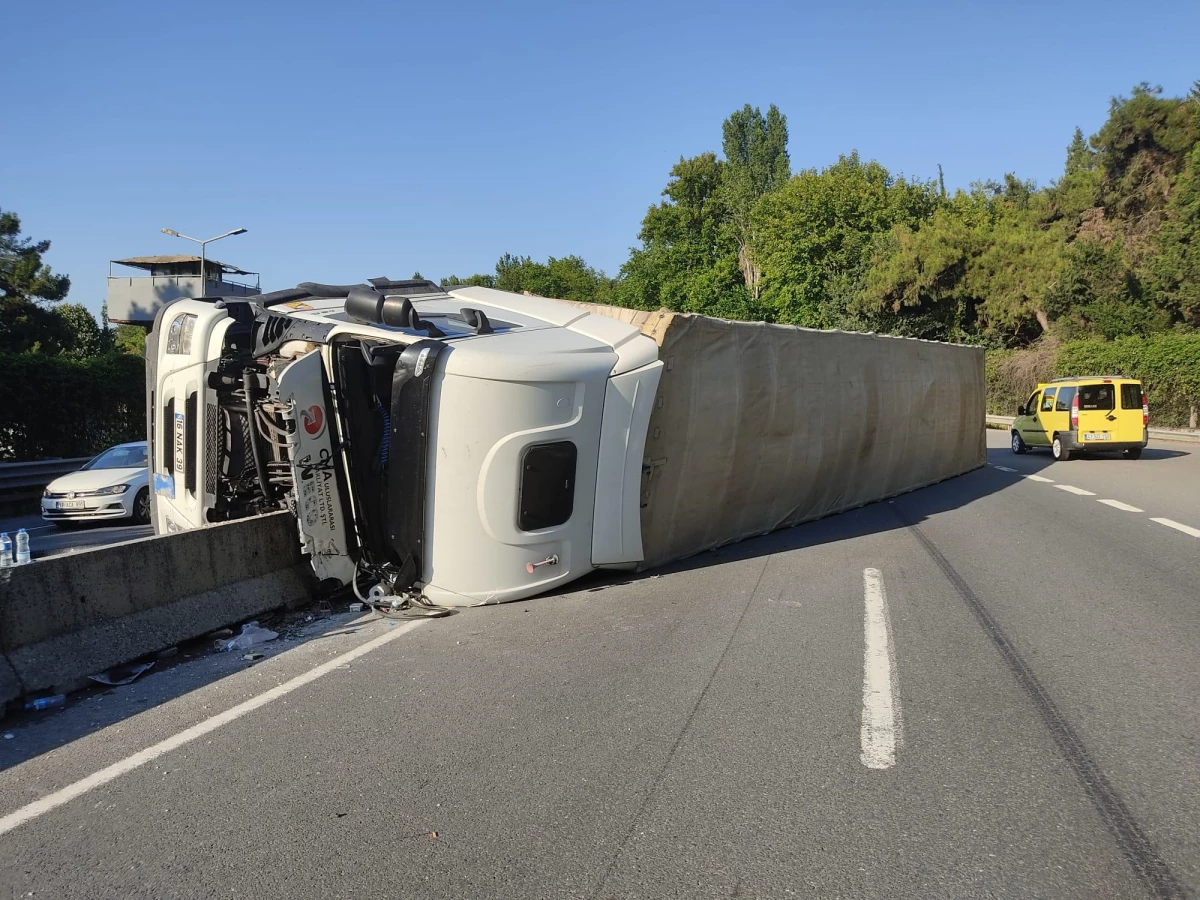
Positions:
(912, 507)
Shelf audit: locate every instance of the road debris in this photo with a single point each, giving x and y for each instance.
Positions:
(253, 656)
(119, 675)
(252, 635)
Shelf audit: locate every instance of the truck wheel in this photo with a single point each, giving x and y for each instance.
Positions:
(141, 507)
(1018, 445)
(1061, 453)
(1132, 453)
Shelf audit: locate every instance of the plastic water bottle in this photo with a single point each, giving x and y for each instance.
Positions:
(6, 548)
(47, 702)
(22, 546)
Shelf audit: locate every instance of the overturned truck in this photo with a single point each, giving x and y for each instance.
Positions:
(476, 446)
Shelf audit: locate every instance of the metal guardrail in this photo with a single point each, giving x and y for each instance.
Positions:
(1158, 434)
(23, 481)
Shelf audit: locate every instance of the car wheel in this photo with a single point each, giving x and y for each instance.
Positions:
(141, 507)
(1132, 453)
(1061, 453)
(1018, 445)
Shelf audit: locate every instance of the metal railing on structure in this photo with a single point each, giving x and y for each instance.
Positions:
(24, 481)
(1157, 434)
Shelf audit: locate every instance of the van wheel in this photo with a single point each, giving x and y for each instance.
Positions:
(1132, 453)
(1061, 453)
(1018, 445)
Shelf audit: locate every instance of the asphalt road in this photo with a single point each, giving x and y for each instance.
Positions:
(1014, 714)
(50, 539)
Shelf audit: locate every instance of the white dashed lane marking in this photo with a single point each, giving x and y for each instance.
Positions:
(1115, 504)
(1071, 489)
(1178, 526)
(880, 733)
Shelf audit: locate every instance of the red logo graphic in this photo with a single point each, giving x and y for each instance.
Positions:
(314, 420)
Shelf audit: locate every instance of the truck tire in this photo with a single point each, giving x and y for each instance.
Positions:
(1059, 449)
(1018, 445)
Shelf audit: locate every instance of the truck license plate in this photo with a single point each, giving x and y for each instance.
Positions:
(1098, 436)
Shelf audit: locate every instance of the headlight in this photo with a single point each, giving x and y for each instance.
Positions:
(46, 492)
(113, 489)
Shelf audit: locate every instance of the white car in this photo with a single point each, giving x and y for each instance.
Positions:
(113, 485)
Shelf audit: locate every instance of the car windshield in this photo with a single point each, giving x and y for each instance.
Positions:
(119, 458)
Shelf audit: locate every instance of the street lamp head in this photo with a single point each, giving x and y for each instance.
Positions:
(170, 232)
(238, 231)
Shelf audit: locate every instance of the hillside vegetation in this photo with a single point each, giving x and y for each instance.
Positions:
(1108, 252)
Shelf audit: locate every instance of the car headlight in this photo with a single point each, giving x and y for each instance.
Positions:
(46, 492)
(111, 489)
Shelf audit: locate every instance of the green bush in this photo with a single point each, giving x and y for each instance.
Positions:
(58, 406)
(1168, 365)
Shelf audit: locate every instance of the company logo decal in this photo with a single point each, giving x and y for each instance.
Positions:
(313, 419)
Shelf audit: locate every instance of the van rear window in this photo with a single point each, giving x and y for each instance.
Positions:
(1096, 396)
(1131, 396)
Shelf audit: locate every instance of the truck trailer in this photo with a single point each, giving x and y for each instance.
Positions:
(468, 445)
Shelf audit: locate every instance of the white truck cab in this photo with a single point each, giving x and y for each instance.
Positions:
(470, 444)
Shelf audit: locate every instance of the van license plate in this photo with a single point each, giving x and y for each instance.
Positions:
(1097, 437)
(70, 504)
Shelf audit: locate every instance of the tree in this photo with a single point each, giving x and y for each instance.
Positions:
(565, 278)
(86, 337)
(812, 236)
(24, 282)
(1176, 266)
(977, 269)
(130, 339)
(688, 260)
(756, 163)
(1141, 149)
(471, 280)
(1080, 157)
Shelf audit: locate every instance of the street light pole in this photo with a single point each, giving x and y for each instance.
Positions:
(203, 245)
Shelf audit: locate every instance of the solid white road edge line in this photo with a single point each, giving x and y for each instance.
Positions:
(1117, 504)
(117, 769)
(1040, 478)
(1178, 526)
(881, 709)
(1071, 489)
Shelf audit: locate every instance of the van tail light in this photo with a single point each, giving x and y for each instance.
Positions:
(1145, 412)
(1075, 411)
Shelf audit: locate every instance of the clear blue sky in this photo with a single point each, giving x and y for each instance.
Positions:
(356, 139)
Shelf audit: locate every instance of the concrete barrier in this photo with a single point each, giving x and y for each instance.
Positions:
(70, 616)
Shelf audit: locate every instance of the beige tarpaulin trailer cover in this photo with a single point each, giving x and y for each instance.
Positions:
(758, 427)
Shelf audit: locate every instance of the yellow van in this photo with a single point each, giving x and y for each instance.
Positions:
(1089, 414)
